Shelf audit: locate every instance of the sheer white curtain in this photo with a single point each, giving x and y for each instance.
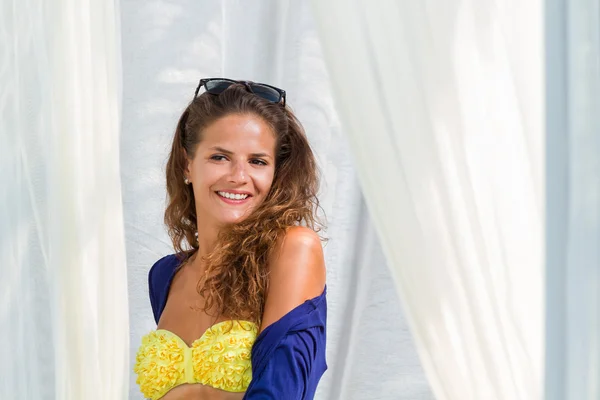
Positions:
(63, 287)
(573, 195)
(443, 105)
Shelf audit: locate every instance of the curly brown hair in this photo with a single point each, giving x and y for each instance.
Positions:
(236, 277)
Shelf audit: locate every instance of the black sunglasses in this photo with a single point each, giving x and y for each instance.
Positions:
(218, 85)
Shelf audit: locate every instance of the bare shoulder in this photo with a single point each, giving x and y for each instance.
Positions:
(296, 273)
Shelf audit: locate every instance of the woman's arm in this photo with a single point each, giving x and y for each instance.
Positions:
(297, 273)
(293, 369)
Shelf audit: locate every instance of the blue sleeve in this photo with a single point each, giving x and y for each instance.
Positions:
(152, 293)
(290, 369)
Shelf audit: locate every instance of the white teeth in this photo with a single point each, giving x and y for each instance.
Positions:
(233, 196)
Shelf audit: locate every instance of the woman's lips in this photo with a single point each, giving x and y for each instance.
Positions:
(232, 201)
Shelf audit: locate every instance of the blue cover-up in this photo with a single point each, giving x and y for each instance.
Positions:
(288, 357)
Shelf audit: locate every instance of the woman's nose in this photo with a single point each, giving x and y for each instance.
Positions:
(238, 172)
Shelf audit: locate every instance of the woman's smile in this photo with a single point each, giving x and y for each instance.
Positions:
(235, 199)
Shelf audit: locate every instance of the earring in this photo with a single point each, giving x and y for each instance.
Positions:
(186, 180)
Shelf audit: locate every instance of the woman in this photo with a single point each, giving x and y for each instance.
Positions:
(242, 314)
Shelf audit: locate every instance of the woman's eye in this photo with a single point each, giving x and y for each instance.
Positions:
(218, 157)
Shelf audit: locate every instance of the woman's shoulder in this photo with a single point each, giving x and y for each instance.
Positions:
(159, 279)
(296, 273)
(164, 267)
(299, 250)
(166, 262)
(297, 231)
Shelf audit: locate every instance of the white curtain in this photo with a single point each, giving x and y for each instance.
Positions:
(573, 200)
(167, 48)
(63, 287)
(443, 106)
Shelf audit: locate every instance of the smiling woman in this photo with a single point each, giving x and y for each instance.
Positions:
(240, 307)
(225, 168)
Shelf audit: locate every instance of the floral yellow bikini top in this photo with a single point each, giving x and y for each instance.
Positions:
(220, 358)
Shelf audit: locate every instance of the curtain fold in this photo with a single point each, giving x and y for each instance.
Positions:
(442, 104)
(63, 274)
(573, 196)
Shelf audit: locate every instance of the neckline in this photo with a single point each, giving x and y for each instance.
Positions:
(314, 302)
(182, 342)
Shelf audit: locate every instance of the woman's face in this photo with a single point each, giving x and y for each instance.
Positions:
(236, 156)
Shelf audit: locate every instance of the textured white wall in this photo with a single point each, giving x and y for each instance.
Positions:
(167, 47)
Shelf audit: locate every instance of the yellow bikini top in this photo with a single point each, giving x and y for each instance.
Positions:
(220, 358)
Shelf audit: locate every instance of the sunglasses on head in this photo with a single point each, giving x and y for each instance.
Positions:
(219, 85)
